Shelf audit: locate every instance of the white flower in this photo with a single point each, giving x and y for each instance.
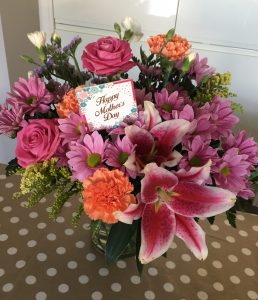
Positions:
(30, 74)
(38, 38)
(132, 24)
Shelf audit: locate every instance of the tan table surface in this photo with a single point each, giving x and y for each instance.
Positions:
(41, 259)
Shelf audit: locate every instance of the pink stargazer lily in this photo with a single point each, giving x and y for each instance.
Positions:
(168, 203)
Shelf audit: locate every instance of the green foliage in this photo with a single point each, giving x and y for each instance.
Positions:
(77, 216)
(12, 167)
(237, 107)
(117, 28)
(254, 176)
(231, 216)
(211, 220)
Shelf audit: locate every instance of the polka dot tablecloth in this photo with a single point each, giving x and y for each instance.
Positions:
(41, 259)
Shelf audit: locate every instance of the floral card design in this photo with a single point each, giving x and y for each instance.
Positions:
(107, 105)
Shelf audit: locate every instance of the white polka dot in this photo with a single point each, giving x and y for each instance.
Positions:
(246, 251)
(230, 239)
(170, 264)
(23, 231)
(72, 265)
(69, 231)
(202, 272)
(173, 245)
(217, 264)
(1, 198)
(90, 256)
(255, 227)
(63, 288)
(202, 295)
(232, 258)
(168, 287)
(51, 237)
(80, 244)
(249, 272)
(30, 279)
(218, 286)
(24, 204)
(60, 250)
(31, 243)
(2, 176)
(121, 264)
(14, 220)
(7, 287)
(96, 295)
(43, 200)
(3, 237)
(7, 209)
(234, 279)
(41, 225)
(20, 264)
(48, 209)
(103, 271)
(2, 272)
(240, 217)
(33, 215)
(226, 223)
(41, 257)
(41, 296)
(252, 295)
(9, 185)
(214, 227)
(216, 245)
(60, 219)
(51, 272)
(186, 257)
(135, 279)
(243, 233)
(153, 271)
(149, 295)
(83, 279)
(67, 204)
(256, 244)
(185, 279)
(116, 287)
(86, 226)
(12, 250)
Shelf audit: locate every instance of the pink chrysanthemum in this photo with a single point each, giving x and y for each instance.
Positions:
(32, 95)
(10, 119)
(72, 128)
(200, 68)
(86, 158)
(119, 154)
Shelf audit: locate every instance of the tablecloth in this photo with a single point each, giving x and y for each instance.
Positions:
(41, 259)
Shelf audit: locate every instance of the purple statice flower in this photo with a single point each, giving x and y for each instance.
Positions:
(72, 128)
(231, 171)
(86, 157)
(32, 95)
(222, 119)
(166, 103)
(58, 89)
(74, 43)
(38, 72)
(200, 69)
(199, 152)
(120, 153)
(11, 118)
(142, 96)
(245, 145)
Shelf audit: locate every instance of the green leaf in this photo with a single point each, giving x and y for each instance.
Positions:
(119, 237)
(254, 176)
(170, 34)
(42, 54)
(117, 29)
(12, 167)
(165, 254)
(211, 220)
(27, 59)
(138, 246)
(187, 63)
(143, 56)
(128, 34)
(231, 216)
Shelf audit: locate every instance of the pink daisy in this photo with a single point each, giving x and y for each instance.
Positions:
(200, 69)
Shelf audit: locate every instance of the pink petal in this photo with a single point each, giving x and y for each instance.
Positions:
(193, 200)
(157, 232)
(133, 212)
(172, 160)
(193, 236)
(198, 175)
(151, 115)
(155, 178)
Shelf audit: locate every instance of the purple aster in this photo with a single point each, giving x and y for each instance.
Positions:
(86, 158)
(32, 95)
(119, 154)
(200, 68)
(72, 128)
(10, 118)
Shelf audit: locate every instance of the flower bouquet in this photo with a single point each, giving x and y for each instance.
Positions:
(147, 157)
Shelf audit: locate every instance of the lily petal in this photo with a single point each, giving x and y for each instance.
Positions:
(198, 175)
(157, 232)
(193, 236)
(133, 212)
(194, 200)
(155, 178)
(172, 160)
(169, 134)
(151, 115)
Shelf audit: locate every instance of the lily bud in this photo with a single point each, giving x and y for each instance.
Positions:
(38, 38)
(55, 37)
(131, 24)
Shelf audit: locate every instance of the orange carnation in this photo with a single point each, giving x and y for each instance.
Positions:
(106, 192)
(69, 104)
(175, 49)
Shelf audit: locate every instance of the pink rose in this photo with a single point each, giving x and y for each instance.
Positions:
(107, 56)
(37, 141)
